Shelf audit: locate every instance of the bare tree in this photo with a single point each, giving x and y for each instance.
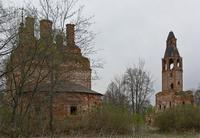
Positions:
(116, 93)
(139, 85)
(134, 88)
(69, 11)
(17, 74)
(60, 13)
(7, 35)
(27, 71)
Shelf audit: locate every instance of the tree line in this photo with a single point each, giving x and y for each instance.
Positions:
(132, 89)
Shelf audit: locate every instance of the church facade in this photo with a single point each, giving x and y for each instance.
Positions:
(172, 93)
(50, 68)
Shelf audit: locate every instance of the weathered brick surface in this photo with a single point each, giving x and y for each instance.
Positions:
(172, 93)
(73, 67)
(62, 101)
(166, 100)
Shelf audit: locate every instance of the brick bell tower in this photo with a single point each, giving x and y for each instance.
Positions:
(172, 67)
(172, 93)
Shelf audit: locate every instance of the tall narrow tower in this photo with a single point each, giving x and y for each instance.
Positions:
(172, 93)
(172, 67)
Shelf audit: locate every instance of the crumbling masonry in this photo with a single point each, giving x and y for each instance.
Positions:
(72, 92)
(172, 93)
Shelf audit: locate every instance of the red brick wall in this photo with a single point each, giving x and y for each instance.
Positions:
(62, 101)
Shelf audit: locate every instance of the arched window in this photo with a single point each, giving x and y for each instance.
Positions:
(164, 65)
(172, 86)
(171, 64)
(159, 106)
(178, 63)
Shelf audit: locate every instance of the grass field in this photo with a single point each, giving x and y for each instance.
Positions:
(141, 135)
(146, 135)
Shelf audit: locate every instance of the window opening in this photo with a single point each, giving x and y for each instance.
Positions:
(178, 63)
(172, 86)
(171, 64)
(73, 110)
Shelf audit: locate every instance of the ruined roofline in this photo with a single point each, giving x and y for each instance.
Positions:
(70, 35)
(64, 86)
(170, 36)
(171, 46)
(46, 31)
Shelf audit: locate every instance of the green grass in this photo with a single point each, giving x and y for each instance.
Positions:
(145, 134)
(150, 135)
(141, 135)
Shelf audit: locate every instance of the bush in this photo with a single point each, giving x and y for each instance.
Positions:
(25, 126)
(108, 119)
(5, 116)
(180, 118)
(104, 120)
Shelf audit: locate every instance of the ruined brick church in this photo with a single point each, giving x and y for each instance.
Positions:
(71, 89)
(172, 93)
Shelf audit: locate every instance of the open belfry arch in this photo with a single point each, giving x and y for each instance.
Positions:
(172, 93)
(172, 71)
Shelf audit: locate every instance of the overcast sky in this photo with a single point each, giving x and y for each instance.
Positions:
(132, 29)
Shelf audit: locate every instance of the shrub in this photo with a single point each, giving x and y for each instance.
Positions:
(108, 119)
(179, 118)
(5, 115)
(25, 126)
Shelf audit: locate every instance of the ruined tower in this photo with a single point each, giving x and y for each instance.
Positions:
(172, 93)
(172, 67)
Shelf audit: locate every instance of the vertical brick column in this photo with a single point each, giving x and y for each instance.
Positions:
(70, 35)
